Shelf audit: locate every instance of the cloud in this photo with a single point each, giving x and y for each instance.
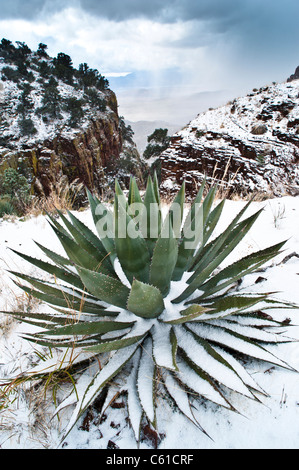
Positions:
(170, 47)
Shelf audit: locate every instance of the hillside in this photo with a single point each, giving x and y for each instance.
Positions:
(57, 120)
(249, 145)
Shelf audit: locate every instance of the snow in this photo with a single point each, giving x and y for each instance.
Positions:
(271, 423)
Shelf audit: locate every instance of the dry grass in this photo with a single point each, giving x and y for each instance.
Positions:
(62, 197)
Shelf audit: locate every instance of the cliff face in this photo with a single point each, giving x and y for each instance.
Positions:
(61, 125)
(93, 156)
(249, 145)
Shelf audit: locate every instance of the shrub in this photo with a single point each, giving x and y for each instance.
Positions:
(153, 293)
(15, 190)
(6, 207)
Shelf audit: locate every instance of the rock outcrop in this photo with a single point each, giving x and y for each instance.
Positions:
(249, 145)
(295, 76)
(63, 124)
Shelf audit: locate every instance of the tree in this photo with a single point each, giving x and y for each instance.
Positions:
(41, 51)
(63, 68)
(158, 141)
(26, 102)
(126, 131)
(91, 78)
(27, 127)
(74, 106)
(51, 101)
(95, 100)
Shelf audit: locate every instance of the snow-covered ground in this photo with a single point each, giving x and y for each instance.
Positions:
(274, 423)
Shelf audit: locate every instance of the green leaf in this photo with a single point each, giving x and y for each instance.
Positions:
(199, 381)
(156, 188)
(206, 358)
(79, 255)
(146, 380)
(215, 257)
(63, 274)
(114, 344)
(230, 305)
(145, 300)
(163, 346)
(130, 246)
(237, 342)
(215, 245)
(56, 258)
(89, 241)
(134, 194)
(104, 223)
(164, 259)
(104, 288)
(239, 269)
(88, 328)
(152, 217)
(177, 207)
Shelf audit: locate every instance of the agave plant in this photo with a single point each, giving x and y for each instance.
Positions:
(153, 294)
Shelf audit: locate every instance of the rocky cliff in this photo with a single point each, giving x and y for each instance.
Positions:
(249, 145)
(57, 122)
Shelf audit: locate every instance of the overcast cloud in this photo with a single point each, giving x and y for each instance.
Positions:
(165, 50)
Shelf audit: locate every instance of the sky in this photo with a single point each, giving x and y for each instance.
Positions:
(166, 60)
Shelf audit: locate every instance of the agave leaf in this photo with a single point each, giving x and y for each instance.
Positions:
(196, 210)
(239, 269)
(214, 245)
(79, 255)
(104, 223)
(156, 187)
(89, 241)
(146, 380)
(174, 347)
(205, 357)
(164, 259)
(88, 328)
(59, 295)
(114, 344)
(230, 305)
(221, 250)
(180, 397)
(250, 332)
(229, 275)
(192, 236)
(241, 371)
(134, 194)
(108, 372)
(73, 304)
(163, 346)
(237, 342)
(152, 217)
(51, 319)
(105, 288)
(208, 203)
(191, 313)
(145, 300)
(61, 273)
(135, 410)
(56, 258)
(177, 207)
(198, 381)
(130, 246)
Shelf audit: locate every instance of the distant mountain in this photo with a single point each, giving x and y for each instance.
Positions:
(249, 145)
(57, 121)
